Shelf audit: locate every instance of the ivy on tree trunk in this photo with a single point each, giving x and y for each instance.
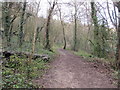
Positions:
(97, 48)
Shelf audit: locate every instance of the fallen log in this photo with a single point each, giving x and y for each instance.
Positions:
(7, 54)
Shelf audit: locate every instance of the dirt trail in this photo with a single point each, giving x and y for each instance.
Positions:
(71, 71)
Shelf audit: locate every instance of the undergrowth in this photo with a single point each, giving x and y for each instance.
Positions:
(18, 72)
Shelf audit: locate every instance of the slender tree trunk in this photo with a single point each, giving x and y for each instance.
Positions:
(21, 34)
(64, 37)
(63, 34)
(75, 29)
(6, 24)
(47, 45)
(34, 39)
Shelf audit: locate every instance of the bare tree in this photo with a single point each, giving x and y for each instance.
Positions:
(47, 45)
(62, 23)
(75, 5)
(113, 20)
(34, 37)
(75, 21)
(35, 29)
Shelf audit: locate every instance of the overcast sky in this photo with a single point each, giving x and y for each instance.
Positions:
(66, 10)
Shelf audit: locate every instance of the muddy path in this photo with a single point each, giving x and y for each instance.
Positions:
(71, 71)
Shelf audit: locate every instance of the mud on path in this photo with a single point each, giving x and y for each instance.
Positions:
(71, 71)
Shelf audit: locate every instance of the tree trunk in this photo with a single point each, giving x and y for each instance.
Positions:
(63, 34)
(118, 51)
(47, 45)
(75, 29)
(21, 36)
(34, 39)
(75, 35)
(97, 48)
(6, 23)
(64, 37)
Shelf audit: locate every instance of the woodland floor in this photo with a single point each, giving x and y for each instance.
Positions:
(71, 71)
